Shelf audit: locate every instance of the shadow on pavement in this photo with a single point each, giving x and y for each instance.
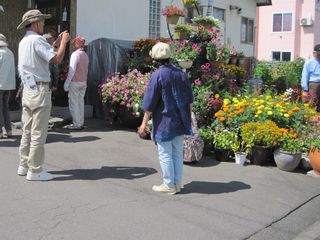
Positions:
(104, 172)
(214, 187)
(69, 139)
(206, 161)
(13, 141)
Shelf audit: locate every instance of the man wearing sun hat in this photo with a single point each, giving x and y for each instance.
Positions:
(76, 82)
(168, 99)
(34, 56)
(310, 81)
(7, 83)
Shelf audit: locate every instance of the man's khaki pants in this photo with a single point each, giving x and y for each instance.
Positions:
(36, 109)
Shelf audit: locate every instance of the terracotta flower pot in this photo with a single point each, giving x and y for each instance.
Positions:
(315, 160)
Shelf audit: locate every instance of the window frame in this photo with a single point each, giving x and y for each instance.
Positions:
(281, 53)
(282, 14)
(154, 19)
(247, 30)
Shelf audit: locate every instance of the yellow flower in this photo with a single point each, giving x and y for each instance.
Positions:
(216, 96)
(226, 102)
(286, 115)
(268, 97)
(306, 105)
(259, 112)
(235, 100)
(270, 113)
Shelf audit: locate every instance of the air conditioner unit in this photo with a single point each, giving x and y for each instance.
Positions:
(306, 21)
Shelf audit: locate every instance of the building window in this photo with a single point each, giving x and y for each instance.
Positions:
(282, 22)
(247, 29)
(154, 18)
(281, 56)
(218, 13)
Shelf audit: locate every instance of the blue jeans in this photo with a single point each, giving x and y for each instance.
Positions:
(171, 160)
(4, 110)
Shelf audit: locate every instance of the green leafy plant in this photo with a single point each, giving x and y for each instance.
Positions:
(291, 144)
(218, 53)
(206, 20)
(189, 3)
(183, 27)
(224, 138)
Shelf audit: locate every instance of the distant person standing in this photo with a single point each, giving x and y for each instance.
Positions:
(7, 83)
(34, 56)
(310, 81)
(168, 99)
(76, 83)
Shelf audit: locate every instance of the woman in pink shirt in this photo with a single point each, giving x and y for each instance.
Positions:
(76, 82)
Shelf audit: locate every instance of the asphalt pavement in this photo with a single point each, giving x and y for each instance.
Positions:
(102, 190)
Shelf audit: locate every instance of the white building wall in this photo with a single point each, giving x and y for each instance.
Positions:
(116, 19)
(111, 19)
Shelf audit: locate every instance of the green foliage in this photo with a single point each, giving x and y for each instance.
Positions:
(206, 134)
(263, 71)
(224, 138)
(282, 75)
(291, 144)
(183, 27)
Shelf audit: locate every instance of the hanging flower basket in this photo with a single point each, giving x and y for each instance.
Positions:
(173, 19)
(181, 35)
(189, 3)
(185, 64)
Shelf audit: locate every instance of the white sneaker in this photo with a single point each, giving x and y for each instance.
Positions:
(178, 187)
(163, 188)
(22, 171)
(42, 176)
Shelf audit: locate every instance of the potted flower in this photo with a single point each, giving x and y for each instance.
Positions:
(206, 135)
(173, 13)
(223, 141)
(264, 137)
(184, 52)
(240, 56)
(206, 21)
(241, 149)
(288, 155)
(315, 155)
(124, 94)
(189, 3)
(217, 54)
(182, 31)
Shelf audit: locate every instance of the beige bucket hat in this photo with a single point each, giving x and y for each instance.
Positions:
(160, 51)
(31, 16)
(3, 41)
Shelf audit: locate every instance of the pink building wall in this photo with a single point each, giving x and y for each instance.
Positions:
(300, 41)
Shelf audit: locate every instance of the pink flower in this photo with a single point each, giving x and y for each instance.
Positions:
(200, 27)
(197, 81)
(195, 46)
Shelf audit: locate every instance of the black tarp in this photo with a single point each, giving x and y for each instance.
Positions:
(106, 56)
